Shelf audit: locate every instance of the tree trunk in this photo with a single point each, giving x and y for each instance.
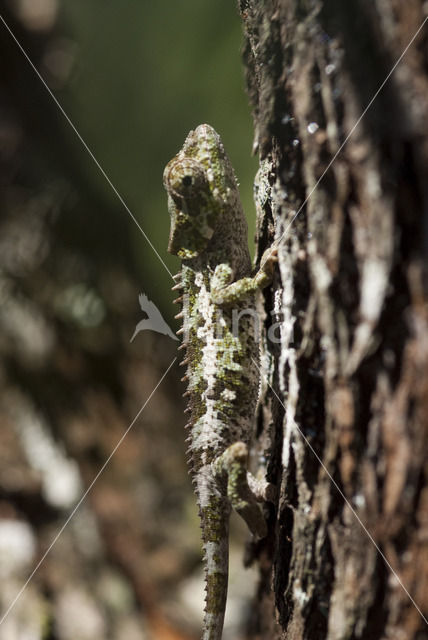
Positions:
(344, 414)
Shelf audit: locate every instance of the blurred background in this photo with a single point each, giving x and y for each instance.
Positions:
(134, 77)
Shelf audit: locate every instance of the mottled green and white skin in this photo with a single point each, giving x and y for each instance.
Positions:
(217, 294)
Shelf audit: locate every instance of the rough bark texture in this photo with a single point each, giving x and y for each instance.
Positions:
(351, 369)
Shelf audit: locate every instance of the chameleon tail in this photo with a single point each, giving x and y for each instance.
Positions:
(216, 551)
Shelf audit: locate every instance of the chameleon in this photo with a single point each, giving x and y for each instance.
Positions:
(217, 292)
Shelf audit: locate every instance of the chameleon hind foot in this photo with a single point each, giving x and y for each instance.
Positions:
(243, 490)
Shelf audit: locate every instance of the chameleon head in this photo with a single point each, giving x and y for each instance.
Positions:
(193, 204)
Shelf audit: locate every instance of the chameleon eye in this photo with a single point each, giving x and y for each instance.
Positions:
(185, 178)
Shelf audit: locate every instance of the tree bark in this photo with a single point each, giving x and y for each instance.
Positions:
(344, 412)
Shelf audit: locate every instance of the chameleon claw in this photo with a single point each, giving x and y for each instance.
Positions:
(177, 286)
(182, 346)
(188, 410)
(180, 331)
(186, 394)
(179, 315)
(267, 265)
(184, 379)
(184, 362)
(178, 300)
(177, 275)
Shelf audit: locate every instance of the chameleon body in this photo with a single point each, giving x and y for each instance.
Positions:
(217, 294)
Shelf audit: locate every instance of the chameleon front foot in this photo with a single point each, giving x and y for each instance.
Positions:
(264, 275)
